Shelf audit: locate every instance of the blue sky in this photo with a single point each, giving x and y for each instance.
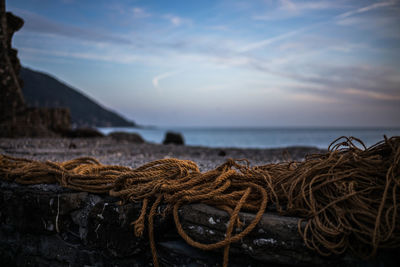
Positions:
(223, 63)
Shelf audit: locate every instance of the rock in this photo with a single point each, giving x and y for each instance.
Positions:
(275, 239)
(58, 227)
(82, 133)
(128, 137)
(173, 138)
(37, 122)
(47, 225)
(16, 119)
(11, 98)
(222, 153)
(72, 146)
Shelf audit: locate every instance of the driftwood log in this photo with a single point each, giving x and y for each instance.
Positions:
(46, 225)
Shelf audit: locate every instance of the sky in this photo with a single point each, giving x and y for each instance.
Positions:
(258, 63)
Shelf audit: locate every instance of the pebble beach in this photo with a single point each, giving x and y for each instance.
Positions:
(110, 151)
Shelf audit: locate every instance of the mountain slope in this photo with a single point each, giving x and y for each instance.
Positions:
(42, 90)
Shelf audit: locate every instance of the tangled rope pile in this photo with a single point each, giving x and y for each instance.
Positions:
(348, 197)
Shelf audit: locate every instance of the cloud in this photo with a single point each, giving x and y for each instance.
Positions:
(287, 4)
(288, 9)
(140, 13)
(304, 63)
(379, 26)
(302, 6)
(265, 42)
(176, 20)
(312, 97)
(325, 82)
(363, 81)
(156, 80)
(219, 27)
(116, 56)
(373, 95)
(38, 24)
(366, 9)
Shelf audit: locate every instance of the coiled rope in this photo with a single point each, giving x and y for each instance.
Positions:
(348, 197)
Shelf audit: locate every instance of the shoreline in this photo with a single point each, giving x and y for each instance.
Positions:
(110, 151)
(261, 138)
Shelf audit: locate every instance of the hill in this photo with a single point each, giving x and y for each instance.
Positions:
(43, 90)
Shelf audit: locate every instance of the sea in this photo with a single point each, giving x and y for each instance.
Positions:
(236, 137)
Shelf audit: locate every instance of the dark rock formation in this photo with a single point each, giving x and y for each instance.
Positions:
(222, 153)
(11, 99)
(46, 225)
(81, 133)
(16, 119)
(173, 138)
(128, 137)
(51, 101)
(36, 122)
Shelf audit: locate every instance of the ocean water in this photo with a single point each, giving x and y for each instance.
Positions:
(261, 137)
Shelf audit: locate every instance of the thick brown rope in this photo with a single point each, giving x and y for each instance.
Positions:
(347, 197)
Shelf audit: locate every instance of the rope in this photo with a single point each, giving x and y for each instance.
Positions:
(348, 197)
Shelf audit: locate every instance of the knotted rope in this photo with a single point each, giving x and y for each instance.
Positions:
(348, 197)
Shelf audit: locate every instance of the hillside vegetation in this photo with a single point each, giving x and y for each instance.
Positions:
(43, 90)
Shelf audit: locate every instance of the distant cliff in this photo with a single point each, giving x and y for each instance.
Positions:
(42, 90)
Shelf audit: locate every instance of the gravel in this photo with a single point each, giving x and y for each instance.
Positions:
(110, 151)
